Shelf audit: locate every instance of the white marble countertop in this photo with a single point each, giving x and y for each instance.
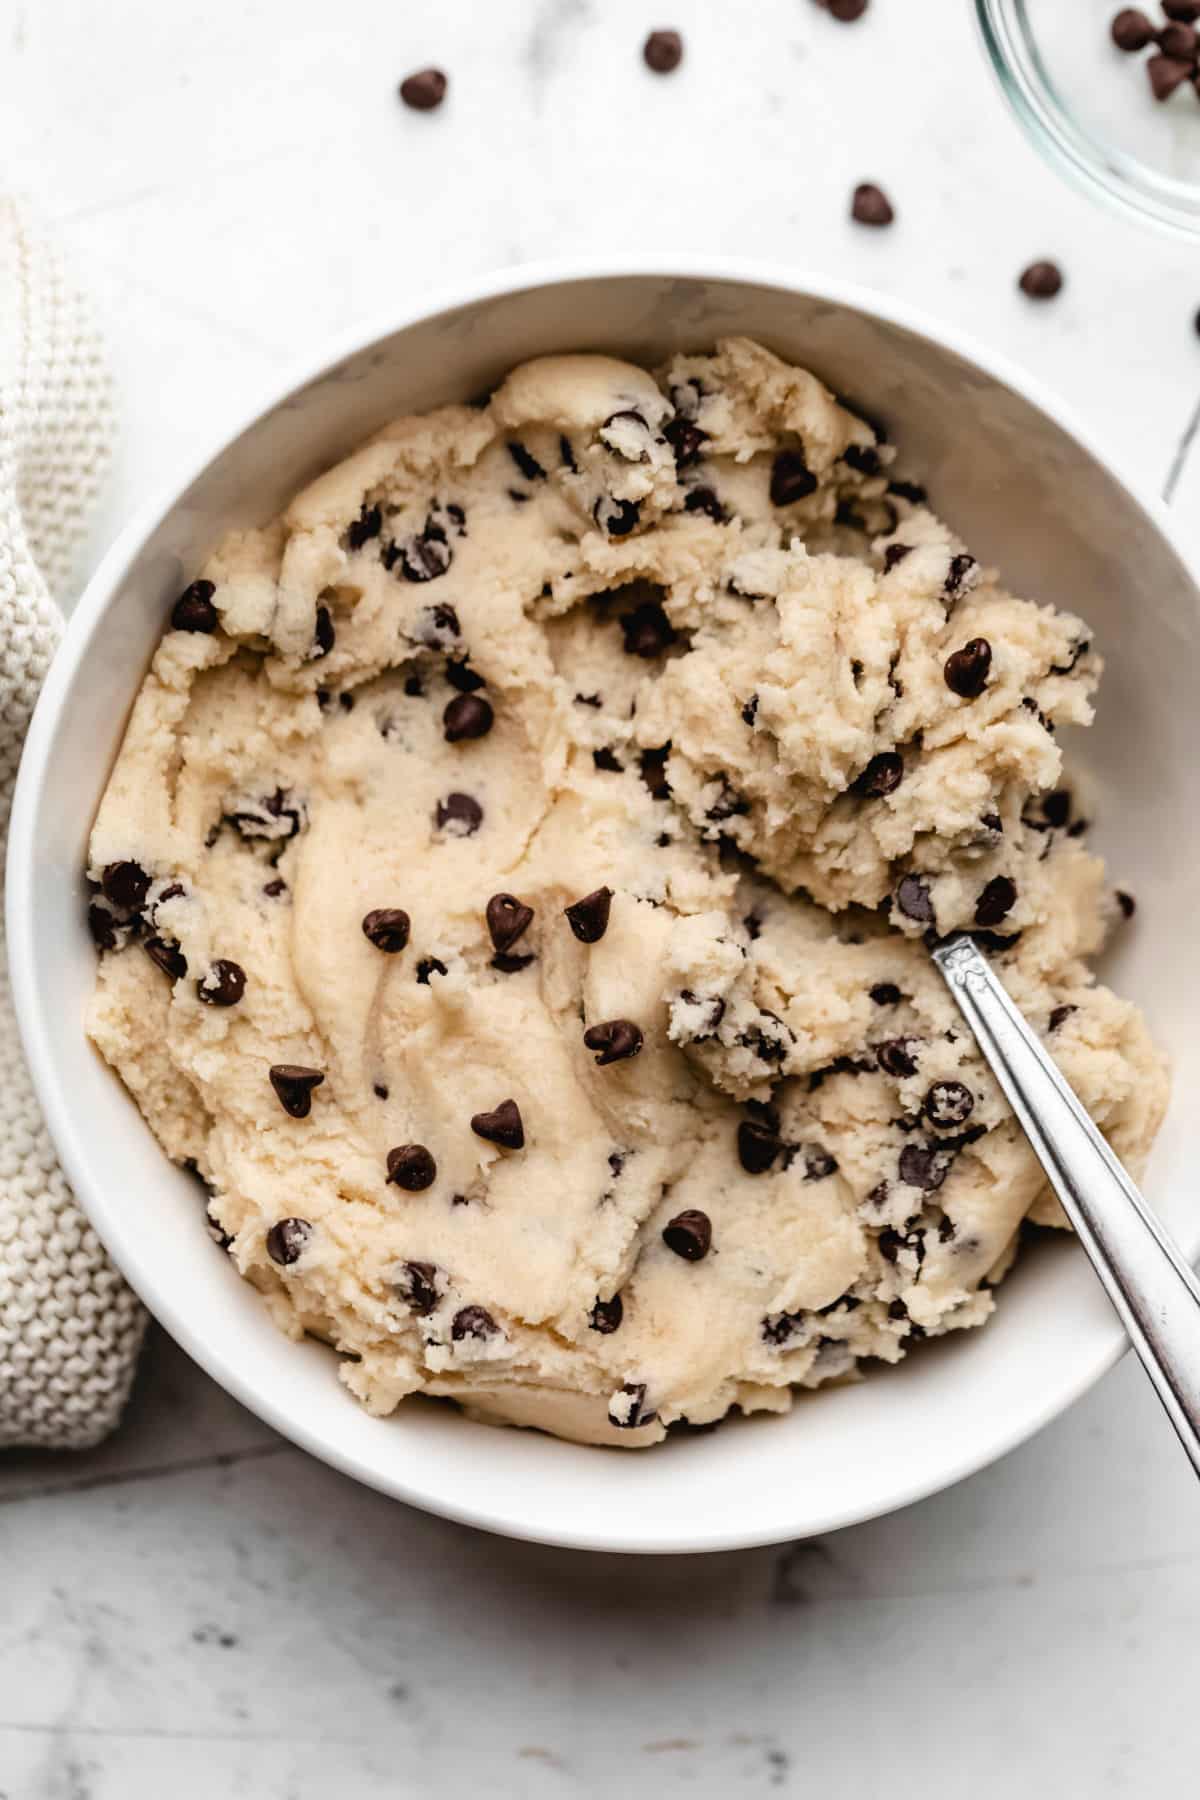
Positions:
(197, 1606)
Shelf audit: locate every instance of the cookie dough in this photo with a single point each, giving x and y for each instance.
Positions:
(512, 891)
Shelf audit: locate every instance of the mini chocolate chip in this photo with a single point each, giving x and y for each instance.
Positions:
(948, 1103)
(889, 1243)
(923, 1167)
(422, 557)
(704, 500)
(966, 670)
(529, 465)
(459, 815)
(686, 441)
(412, 1167)
(473, 1321)
(165, 952)
(616, 517)
(588, 918)
(424, 90)
(1132, 30)
(992, 822)
(126, 885)
(647, 631)
(750, 711)
(467, 716)
(871, 206)
(652, 765)
(381, 1090)
(286, 1240)
(915, 901)
(1126, 902)
(388, 928)
(791, 478)
(368, 524)
(224, 984)
(897, 1309)
(894, 555)
(912, 491)
(429, 965)
(1060, 1015)
(273, 889)
(818, 1163)
(614, 1041)
(1041, 280)
(194, 609)
(463, 677)
(414, 687)
(1056, 807)
(663, 51)
(294, 1086)
(886, 993)
(878, 1196)
(507, 919)
(996, 901)
(417, 1285)
(102, 926)
(606, 1315)
(567, 454)
(635, 1413)
(882, 776)
(689, 1234)
(503, 1126)
(895, 1057)
(324, 635)
(946, 1229)
(862, 458)
(607, 761)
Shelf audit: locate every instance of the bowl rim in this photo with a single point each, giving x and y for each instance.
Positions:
(29, 797)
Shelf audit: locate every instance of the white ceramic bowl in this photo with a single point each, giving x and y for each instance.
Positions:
(1028, 493)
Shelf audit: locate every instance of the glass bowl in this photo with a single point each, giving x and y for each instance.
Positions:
(1089, 109)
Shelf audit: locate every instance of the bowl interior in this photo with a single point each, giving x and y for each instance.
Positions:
(1025, 494)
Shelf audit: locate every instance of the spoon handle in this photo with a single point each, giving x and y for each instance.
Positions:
(1145, 1276)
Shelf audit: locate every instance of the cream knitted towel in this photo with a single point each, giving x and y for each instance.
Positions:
(69, 1327)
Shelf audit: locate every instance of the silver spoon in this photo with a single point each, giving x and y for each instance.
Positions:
(1155, 1293)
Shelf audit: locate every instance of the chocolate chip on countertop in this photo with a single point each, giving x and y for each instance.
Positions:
(1188, 11)
(194, 609)
(663, 51)
(387, 927)
(894, 555)
(886, 993)
(791, 478)
(168, 956)
(606, 1315)
(616, 517)
(871, 206)
(126, 885)
(412, 1167)
(1060, 1015)
(948, 1103)
(996, 901)
(424, 90)
(689, 1234)
(882, 775)
(294, 1086)
(1131, 30)
(224, 984)
(966, 671)
(1041, 280)
(915, 901)
(473, 1321)
(1180, 41)
(588, 918)
(1126, 902)
(1166, 73)
(417, 1285)
(467, 716)
(895, 1057)
(758, 1144)
(503, 1126)
(286, 1240)
(459, 815)
(507, 919)
(614, 1041)
(647, 631)
(846, 12)
(528, 464)
(923, 1167)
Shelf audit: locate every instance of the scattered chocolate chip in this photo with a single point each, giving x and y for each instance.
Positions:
(1041, 280)
(224, 984)
(430, 965)
(368, 524)
(791, 478)
(503, 1126)
(459, 815)
(871, 206)
(895, 1057)
(614, 1041)
(165, 952)
(1131, 30)
(1166, 73)
(412, 1167)
(126, 885)
(647, 631)
(388, 928)
(915, 901)
(663, 51)
(616, 517)
(324, 635)
(606, 1315)
(467, 716)
(1060, 1015)
(631, 1408)
(528, 465)
(424, 90)
(507, 919)
(750, 711)
(417, 1285)
(818, 1164)
(294, 1086)
(894, 555)
(966, 670)
(1180, 41)
(689, 1234)
(1126, 902)
(1186, 10)
(286, 1240)
(924, 1167)
(473, 1321)
(686, 441)
(845, 11)
(758, 1144)
(948, 1103)
(996, 901)
(886, 993)
(194, 609)
(463, 677)
(882, 775)
(588, 918)
(652, 765)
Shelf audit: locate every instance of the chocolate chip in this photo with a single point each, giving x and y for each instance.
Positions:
(757, 1146)
(862, 458)
(286, 1240)
(324, 635)
(870, 205)
(704, 500)
(878, 1196)
(996, 901)
(912, 491)
(1060, 1015)
(897, 1310)
(588, 918)
(895, 1057)
(663, 51)
(886, 993)
(368, 524)
(1132, 30)
(194, 609)
(1166, 73)
(923, 1167)
(647, 631)
(894, 555)
(614, 1041)
(846, 11)
(606, 1315)
(276, 816)
(414, 687)
(686, 441)
(529, 465)
(818, 1164)
(423, 557)
(429, 965)
(417, 1285)
(652, 765)
(915, 901)
(948, 1103)
(882, 775)
(424, 90)
(388, 928)
(889, 1243)
(961, 565)
(1180, 41)
(966, 670)
(380, 1090)
(606, 761)
(102, 926)
(791, 478)
(412, 1167)
(1041, 280)
(294, 1086)
(1126, 902)
(126, 885)
(463, 677)
(630, 1416)
(1188, 11)
(473, 1321)
(503, 1126)
(507, 919)
(273, 889)
(224, 984)
(459, 815)
(689, 1234)
(1056, 807)
(750, 711)
(467, 716)
(616, 517)
(168, 956)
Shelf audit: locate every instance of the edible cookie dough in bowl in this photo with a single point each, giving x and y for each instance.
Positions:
(568, 719)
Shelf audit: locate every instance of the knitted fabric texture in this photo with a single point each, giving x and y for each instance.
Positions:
(69, 1327)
